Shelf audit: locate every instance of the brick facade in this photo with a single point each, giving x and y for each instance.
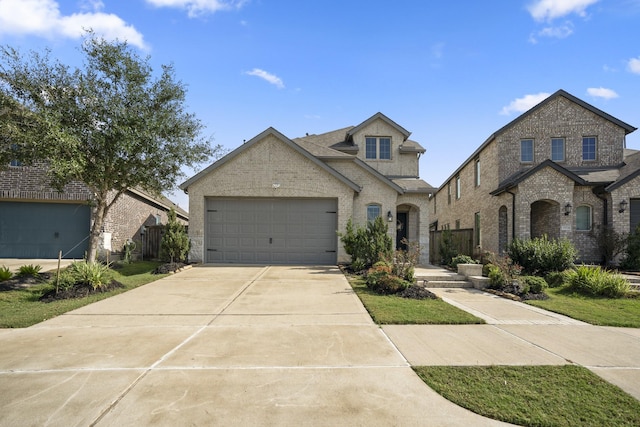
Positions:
(530, 198)
(270, 158)
(133, 209)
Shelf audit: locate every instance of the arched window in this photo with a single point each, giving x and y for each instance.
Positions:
(373, 212)
(583, 218)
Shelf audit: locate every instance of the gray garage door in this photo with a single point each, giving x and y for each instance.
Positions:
(40, 230)
(271, 231)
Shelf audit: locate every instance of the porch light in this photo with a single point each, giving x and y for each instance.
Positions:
(567, 209)
(623, 206)
(389, 216)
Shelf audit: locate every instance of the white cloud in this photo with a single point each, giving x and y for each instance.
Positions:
(520, 105)
(601, 92)
(271, 78)
(199, 7)
(548, 10)
(43, 18)
(634, 65)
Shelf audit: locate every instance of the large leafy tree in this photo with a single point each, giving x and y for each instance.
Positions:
(112, 124)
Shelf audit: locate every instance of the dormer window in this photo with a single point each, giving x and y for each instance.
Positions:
(378, 148)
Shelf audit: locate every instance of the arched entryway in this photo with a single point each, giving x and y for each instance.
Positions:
(503, 229)
(545, 219)
(407, 225)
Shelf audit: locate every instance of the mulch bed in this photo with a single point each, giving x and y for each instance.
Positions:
(170, 267)
(79, 290)
(417, 292)
(23, 282)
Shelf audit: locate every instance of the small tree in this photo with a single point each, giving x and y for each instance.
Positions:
(367, 245)
(114, 124)
(631, 260)
(175, 242)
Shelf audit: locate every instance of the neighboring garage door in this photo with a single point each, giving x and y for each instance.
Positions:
(635, 213)
(271, 231)
(40, 230)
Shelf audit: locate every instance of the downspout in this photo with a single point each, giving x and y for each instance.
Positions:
(513, 214)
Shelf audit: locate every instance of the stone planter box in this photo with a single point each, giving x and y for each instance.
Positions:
(468, 270)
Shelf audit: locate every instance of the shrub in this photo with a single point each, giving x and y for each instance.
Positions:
(367, 245)
(95, 274)
(447, 247)
(536, 284)
(497, 278)
(175, 241)
(631, 260)
(461, 259)
(595, 281)
(403, 262)
(127, 250)
(610, 243)
(380, 279)
(29, 270)
(5, 273)
(555, 279)
(540, 256)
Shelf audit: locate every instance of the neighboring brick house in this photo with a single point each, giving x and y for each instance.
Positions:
(560, 169)
(37, 221)
(281, 201)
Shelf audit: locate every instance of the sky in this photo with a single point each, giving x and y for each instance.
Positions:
(450, 72)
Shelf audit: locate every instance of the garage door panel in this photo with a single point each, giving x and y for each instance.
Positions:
(272, 231)
(41, 230)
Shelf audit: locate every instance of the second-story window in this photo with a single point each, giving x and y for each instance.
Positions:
(458, 187)
(378, 148)
(526, 151)
(477, 169)
(589, 148)
(557, 149)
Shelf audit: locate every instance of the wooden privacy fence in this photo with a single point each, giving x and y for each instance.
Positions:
(151, 241)
(462, 240)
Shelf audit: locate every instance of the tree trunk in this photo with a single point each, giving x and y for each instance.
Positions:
(96, 228)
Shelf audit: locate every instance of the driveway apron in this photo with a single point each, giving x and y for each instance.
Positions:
(224, 345)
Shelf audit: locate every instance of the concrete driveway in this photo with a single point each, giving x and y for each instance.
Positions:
(236, 345)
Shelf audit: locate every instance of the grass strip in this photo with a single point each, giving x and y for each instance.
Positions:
(541, 396)
(22, 308)
(395, 310)
(621, 312)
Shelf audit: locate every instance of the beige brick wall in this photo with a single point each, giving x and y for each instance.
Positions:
(252, 174)
(400, 164)
(561, 119)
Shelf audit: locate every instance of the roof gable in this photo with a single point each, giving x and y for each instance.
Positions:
(520, 176)
(377, 116)
(255, 140)
(627, 127)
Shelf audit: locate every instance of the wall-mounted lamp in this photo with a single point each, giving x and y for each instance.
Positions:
(389, 216)
(623, 206)
(567, 209)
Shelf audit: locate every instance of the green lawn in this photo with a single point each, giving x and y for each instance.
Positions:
(21, 308)
(394, 310)
(534, 395)
(623, 312)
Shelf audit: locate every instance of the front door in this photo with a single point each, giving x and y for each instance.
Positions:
(401, 230)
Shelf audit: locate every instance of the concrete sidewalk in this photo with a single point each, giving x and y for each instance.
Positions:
(236, 345)
(520, 334)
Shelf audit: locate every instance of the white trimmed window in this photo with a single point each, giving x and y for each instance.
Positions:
(583, 218)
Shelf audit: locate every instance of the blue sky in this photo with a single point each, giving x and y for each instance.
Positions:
(450, 72)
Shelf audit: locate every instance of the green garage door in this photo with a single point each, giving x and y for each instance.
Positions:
(271, 231)
(40, 230)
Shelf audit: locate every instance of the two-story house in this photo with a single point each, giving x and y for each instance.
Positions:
(561, 169)
(282, 201)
